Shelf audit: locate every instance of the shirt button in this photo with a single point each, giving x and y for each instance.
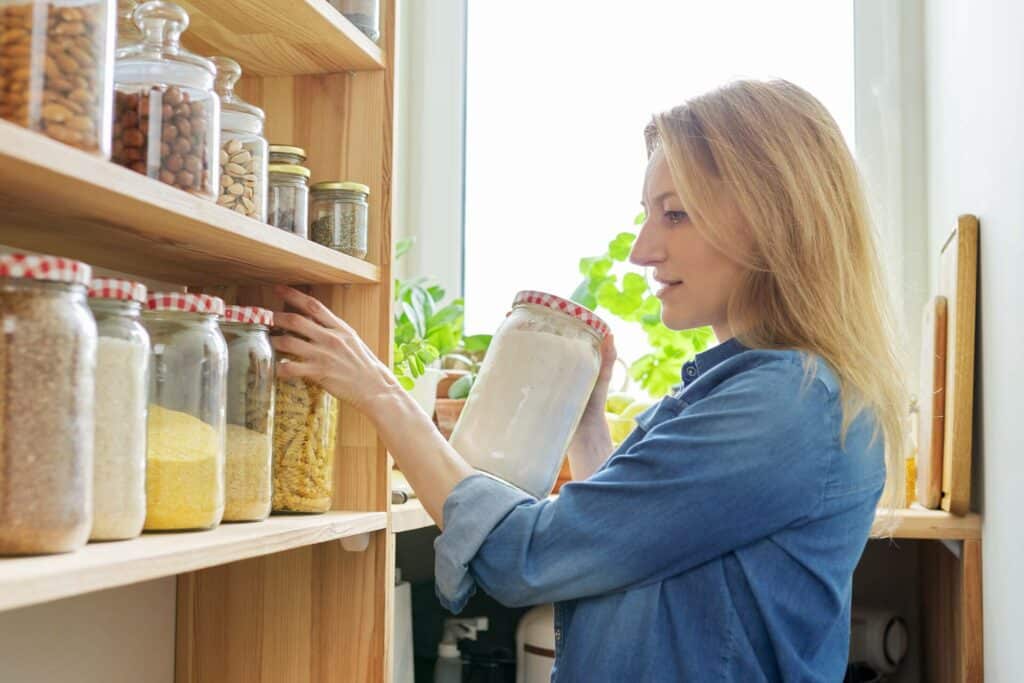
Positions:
(691, 371)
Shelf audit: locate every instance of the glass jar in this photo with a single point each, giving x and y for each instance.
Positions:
(166, 114)
(365, 14)
(55, 69)
(122, 387)
(338, 216)
(250, 412)
(305, 434)
(243, 150)
(48, 357)
(187, 394)
(127, 32)
(288, 198)
(286, 154)
(536, 379)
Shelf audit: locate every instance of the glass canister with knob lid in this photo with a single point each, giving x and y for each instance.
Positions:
(535, 382)
(166, 113)
(187, 406)
(243, 149)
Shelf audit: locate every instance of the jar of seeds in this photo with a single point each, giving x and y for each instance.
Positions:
(55, 69)
(338, 216)
(48, 361)
(250, 412)
(243, 151)
(166, 114)
(288, 198)
(122, 385)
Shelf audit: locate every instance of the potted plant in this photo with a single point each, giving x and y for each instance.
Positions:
(461, 369)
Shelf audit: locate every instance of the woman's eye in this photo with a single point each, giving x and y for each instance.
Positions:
(676, 216)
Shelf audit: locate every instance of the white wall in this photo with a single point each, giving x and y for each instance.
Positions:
(125, 635)
(975, 96)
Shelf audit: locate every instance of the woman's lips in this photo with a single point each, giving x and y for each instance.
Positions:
(666, 287)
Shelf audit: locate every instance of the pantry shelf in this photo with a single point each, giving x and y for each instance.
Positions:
(57, 199)
(33, 580)
(409, 516)
(274, 38)
(919, 523)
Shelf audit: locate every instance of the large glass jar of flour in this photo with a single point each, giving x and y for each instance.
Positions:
(528, 400)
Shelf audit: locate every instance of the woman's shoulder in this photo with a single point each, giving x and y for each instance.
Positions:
(775, 375)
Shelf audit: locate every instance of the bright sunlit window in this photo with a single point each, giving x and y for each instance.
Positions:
(554, 127)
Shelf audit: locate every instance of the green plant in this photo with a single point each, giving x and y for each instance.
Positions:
(629, 298)
(425, 329)
(469, 356)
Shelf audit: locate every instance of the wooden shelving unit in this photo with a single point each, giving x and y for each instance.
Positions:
(409, 516)
(282, 599)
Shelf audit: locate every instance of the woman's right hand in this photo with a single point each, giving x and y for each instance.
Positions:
(592, 443)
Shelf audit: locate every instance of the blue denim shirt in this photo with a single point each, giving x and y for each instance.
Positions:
(718, 542)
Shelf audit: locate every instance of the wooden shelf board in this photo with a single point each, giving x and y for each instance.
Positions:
(31, 580)
(409, 516)
(919, 523)
(57, 199)
(280, 38)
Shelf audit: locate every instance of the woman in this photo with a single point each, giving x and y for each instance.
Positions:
(719, 541)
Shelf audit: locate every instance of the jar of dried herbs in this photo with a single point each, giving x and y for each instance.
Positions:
(305, 430)
(185, 434)
(288, 198)
(338, 213)
(47, 367)
(122, 384)
(250, 412)
(287, 154)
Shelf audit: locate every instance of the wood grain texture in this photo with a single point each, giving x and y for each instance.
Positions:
(409, 516)
(951, 603)
(958, 282)
(113, 217)
(932, 403)
(280, 37)
(32, 580)
(972, 642)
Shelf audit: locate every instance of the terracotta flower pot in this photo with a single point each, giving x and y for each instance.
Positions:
(446, 412)
(450, 378)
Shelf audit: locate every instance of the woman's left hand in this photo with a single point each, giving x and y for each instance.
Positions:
(326, 351)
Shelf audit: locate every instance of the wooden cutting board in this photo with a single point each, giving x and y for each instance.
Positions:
(958, 282)
(931, 403)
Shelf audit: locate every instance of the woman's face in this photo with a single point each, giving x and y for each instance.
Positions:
(694, 280)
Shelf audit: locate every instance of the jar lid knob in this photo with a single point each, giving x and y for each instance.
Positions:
(228, 73)
(161, 22)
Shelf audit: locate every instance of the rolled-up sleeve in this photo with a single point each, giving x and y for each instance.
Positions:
(749, 459)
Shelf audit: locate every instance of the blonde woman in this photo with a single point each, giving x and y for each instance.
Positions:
(718, 542)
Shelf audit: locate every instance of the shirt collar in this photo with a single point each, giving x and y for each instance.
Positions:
(706, 360)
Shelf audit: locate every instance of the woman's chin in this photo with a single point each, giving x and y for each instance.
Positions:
(678, 321)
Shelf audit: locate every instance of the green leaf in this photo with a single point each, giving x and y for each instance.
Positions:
(640, 218)
(477, 343)
(626, 302)
(406, 382)
(596, 267)
(460, 388)
(402, 247)
(619, 248)
(427, 354)
(583, 296)
(415, 317)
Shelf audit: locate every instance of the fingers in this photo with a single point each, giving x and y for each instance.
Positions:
(297, 370)
(293, 346)
(308, 306)
(296, 323)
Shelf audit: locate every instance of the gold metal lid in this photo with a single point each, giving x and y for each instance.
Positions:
(340, 185)
(290, 169)
(288, 149)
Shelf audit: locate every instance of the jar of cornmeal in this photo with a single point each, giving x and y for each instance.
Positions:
(185, 445)
(529, 398)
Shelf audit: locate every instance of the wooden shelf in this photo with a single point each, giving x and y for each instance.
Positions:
(32, 580)
(106, 215)
(280, 38)
(409, 516)
(919, 523)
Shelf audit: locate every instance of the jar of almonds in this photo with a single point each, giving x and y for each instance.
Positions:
(243, 150)
(166, 113)
(55, 62)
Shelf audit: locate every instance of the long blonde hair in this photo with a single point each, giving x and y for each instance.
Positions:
(813, 277)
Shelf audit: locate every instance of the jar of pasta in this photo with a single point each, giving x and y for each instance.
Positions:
(187, 394)
(535, 382)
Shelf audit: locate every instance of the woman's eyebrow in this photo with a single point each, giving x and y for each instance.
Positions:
(659, 198)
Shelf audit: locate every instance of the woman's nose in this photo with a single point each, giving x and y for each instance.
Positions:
(646, 250)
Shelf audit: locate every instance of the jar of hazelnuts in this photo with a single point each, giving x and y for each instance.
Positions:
(166, 113)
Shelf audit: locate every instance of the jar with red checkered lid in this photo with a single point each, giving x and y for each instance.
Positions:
(187, 404)
(250, 413)
(122, 387)
(530, 394)
(48, 356)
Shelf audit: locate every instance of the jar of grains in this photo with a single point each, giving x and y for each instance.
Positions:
(48, 362)
(122, 384)
(55, 69)
(185, 446)
(288, 198)
(338, 214)
(286, 154)
(250, 412)
(543, 361)
(243, 149)
(166, 114)
(305, 431)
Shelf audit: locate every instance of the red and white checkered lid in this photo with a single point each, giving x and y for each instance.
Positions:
(249, 315)
(41, 267)
(570, 308)
(120, 290)
(185, 303)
